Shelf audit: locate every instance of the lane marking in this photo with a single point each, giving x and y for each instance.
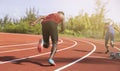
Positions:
(20, 34)
(0, 62)
(68, 65)
(15, 50)
(114, 46)
(18, 50)
(18, 45)
(22, 44)
(117, 48)
(75, 43)
(103, 44)
(103, 57)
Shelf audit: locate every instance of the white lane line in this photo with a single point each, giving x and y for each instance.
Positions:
(75, 43)
(0, 61)
(68, 65)
(103, 57)
(18, 45)
(103, 43)
(15, 50)
(117, 48)
(20, 34)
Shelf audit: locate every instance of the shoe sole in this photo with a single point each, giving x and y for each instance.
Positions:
(52, 64)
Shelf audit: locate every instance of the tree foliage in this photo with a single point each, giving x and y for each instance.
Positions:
(22, 25)
(89, 25)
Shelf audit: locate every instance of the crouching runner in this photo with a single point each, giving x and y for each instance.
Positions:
(49, 30)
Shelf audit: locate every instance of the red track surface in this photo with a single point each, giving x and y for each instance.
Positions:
(17, 46)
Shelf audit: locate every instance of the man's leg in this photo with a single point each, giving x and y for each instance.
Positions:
(112, 40)
(45, 34)
(54, 38)
(106, 43)
(53, 50)
(44, 42)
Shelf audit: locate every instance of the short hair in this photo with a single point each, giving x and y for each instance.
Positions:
(61, 12)
(108, 22)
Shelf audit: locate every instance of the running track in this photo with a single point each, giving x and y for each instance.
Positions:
(18, 53)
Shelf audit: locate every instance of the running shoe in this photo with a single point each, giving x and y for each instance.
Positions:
(40, 46)
(51, 61)
(112, 55)
(106, 51)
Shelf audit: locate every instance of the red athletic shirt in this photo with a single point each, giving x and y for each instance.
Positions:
(52, 17)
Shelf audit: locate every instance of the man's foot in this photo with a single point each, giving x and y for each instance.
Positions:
(51, 61)
(106, 51)
(112, 55)
(40, 46)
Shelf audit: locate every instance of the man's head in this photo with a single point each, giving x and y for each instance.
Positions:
(109, 22)
(61, 14)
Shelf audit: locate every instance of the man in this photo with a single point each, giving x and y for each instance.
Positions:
(49, 29)
(109, 34)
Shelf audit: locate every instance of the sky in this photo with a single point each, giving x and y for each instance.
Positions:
(17, 8)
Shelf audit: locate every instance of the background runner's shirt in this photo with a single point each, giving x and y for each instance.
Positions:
(110, 29)
(55, 17)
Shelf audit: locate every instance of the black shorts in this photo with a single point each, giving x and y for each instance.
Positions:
(49, 29)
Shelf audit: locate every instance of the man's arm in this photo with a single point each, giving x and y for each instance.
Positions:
(104, 30)
(116, 29)
(62, 23)
(62, 26)
(37, 20)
